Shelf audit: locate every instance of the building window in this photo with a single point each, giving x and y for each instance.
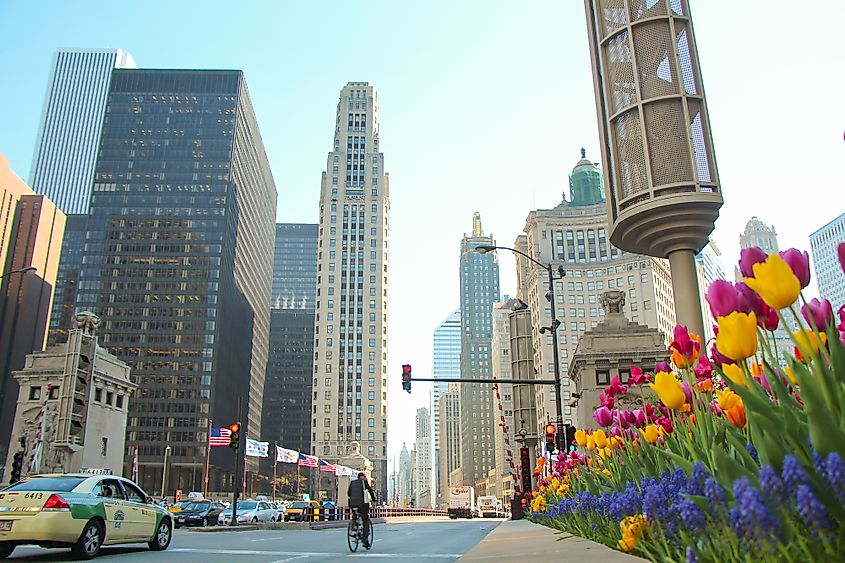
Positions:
(98, 395)
(602, 377)
(54, 392)
(104, 447)
(109, 397)
(35, 393)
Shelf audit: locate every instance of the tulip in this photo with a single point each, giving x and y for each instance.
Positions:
(722, 298)
(841, 313)
(603, 416)
(791, 375)
(749, 302)
(668, 389)
(748, 257)
(581, 438)
(727, 399)
(799, 263)
(639, 418)
(686, 347)
(703, 369)
(821, 313)
(687, 391)
(809, 342)
(767, 318)
(637, 376)
(840, 251)
(663, 366)
(775, 282)
(705, 385)
(614, 431)
(627, 543)
(718, 358)
(737, 338)
(736, 415)
(616, 388)
(734, 373)
(600, 439)
(666, 424)
(605, 400)
(650, 433)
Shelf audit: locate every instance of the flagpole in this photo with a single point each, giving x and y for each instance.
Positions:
(297, 480)
(207, 460)
(244, 481)
(275, 459)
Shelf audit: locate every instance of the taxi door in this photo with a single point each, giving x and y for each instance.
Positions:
(111, 495)
(142, 516)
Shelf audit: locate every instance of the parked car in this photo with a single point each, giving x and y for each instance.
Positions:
(198, 513)
(249, 511)
(82, 512)
(298, 510)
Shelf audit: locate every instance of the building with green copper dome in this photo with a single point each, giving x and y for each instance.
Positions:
(585, 183)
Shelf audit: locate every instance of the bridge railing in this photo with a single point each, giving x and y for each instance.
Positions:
(323, 514)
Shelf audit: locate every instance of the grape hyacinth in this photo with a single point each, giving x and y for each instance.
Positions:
(793, 475)
(811, 510)
(771, 486)
(754, 520)
(715, 495)
(835, 475)
(691, 515)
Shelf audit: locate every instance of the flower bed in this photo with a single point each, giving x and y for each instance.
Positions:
(732, 457)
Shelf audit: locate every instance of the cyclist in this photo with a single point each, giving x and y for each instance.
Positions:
(357, 500)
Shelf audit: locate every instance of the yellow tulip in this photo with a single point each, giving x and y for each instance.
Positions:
(581, 438)
(775, 282)
(669, 390)
(735, 374)
(650, 433)
(627, 543)
(591, 443)
(791, 375)
(600, 439)
(727, 399)
(737, 338)
(809, 343)
(633, 526)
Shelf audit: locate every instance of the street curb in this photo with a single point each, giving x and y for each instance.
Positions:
(211, 529)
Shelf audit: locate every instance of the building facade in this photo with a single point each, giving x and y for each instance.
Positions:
(710, 269)
(574, 235)
(350, 327)
(503, 436)
(405, 478)
(295, 266)
(479, 274)
(823, 244)
(423, 465)
(31, 230)
(449, 460)
(446, 363)
(178, 262)
(71, 123)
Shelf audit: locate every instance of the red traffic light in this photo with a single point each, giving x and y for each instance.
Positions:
(406, 368)
(550, 429)
(234, 427)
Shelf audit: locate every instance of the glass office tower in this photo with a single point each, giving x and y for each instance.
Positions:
(178, 263)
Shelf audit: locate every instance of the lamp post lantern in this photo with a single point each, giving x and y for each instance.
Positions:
(552, 328)
(164, 469)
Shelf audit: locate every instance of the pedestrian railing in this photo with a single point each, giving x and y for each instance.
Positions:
(324, 514)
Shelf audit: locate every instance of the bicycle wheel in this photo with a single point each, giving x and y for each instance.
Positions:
(352, 535)
(370, 542)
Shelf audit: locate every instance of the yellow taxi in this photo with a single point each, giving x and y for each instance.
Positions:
(298, 511)
(80, 511)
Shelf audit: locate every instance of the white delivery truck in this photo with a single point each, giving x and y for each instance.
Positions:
(487, 506)
(461, 502)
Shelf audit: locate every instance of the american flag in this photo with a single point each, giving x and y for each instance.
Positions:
(219, 437)
(308, 460)
(327, 467)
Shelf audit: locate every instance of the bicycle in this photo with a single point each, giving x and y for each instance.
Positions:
(355, 532)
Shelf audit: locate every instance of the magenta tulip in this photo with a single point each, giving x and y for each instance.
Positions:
(749, 301)
(616, 388)
(605, 400)
(703, 369)
(799, 263)
(748, 257)
(662, 366)
(687, 391)
(640, 417)
(820, 311)
(840, 250)
(722, 298)
(603, 416)
(718, 358)
(767, 318)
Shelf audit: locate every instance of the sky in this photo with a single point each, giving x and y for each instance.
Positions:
(484, 107)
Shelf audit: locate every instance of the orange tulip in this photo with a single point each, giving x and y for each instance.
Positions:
(736, 415)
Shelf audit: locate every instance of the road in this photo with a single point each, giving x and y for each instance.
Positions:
(424, 541)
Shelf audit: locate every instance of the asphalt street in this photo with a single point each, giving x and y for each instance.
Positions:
(424, 541)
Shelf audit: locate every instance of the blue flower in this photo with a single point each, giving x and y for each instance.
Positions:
(691, 556)
(771, 486)
(811, 510)
(793, 475)
(691, 515)
(755, 520)
(752, 451)
(699, 475)
(835, 475)
(715, 495)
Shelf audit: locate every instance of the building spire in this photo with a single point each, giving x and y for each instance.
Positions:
(477, 231)
(583, 152)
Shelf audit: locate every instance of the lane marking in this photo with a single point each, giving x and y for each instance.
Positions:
(292, 555)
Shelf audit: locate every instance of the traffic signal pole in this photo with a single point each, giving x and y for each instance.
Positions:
(236, 486)
(490, 381)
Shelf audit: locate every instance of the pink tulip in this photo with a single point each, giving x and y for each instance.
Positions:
(820, 311)
(687, 391)
(603, 416)
(640, 418)
(722, 298)
(718, 358)
(799, 262)
(749, 301)
(616, 388)
(666, 423)
(703, 369)
(637, 376)
(841, 313)
(767, 318)
(605, 400)
(663, 366)
(715, 408)
(614, 431)
(748, 257)
(682, 342)
(628, 419)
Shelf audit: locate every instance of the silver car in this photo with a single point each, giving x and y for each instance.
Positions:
(249, 511)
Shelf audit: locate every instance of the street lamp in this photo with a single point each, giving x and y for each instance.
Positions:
(550, 297)
(164, 469)
(26, 270)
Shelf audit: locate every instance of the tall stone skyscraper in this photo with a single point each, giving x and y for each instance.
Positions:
(295, 266)
(71, 122)
(449, 458)
(759, 234)
(823, 244)
(479, 290)
(178, 262)
(350, 340)
(446, 363)
(423, 462)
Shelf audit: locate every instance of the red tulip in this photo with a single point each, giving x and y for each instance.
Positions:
(748, 257)
(799, 263)
(767, 318)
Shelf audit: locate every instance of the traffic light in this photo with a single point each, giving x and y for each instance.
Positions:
(525, 468)
(234, 436)
(17, 467)
(550, 437)
(570, 437)
(406, 377)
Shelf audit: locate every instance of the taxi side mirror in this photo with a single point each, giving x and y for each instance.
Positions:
(150, 500)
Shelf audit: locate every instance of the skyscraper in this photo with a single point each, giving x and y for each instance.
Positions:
(350, 340)
(295, 266)
(759, 234)
(503, 435)
(446, 363)
(423, 462)
(286, 415)
(574, 234)
(178, 262)
(71, 122)
(479, 290)
(450, 440)
(829, 273)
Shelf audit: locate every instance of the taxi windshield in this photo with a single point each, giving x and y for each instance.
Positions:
(61, 484)
(299, 505)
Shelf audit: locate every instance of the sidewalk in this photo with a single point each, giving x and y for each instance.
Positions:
(517, 540)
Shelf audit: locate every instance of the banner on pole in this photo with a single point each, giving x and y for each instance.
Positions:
(343, 471)
(284, 455)
(254, 448)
